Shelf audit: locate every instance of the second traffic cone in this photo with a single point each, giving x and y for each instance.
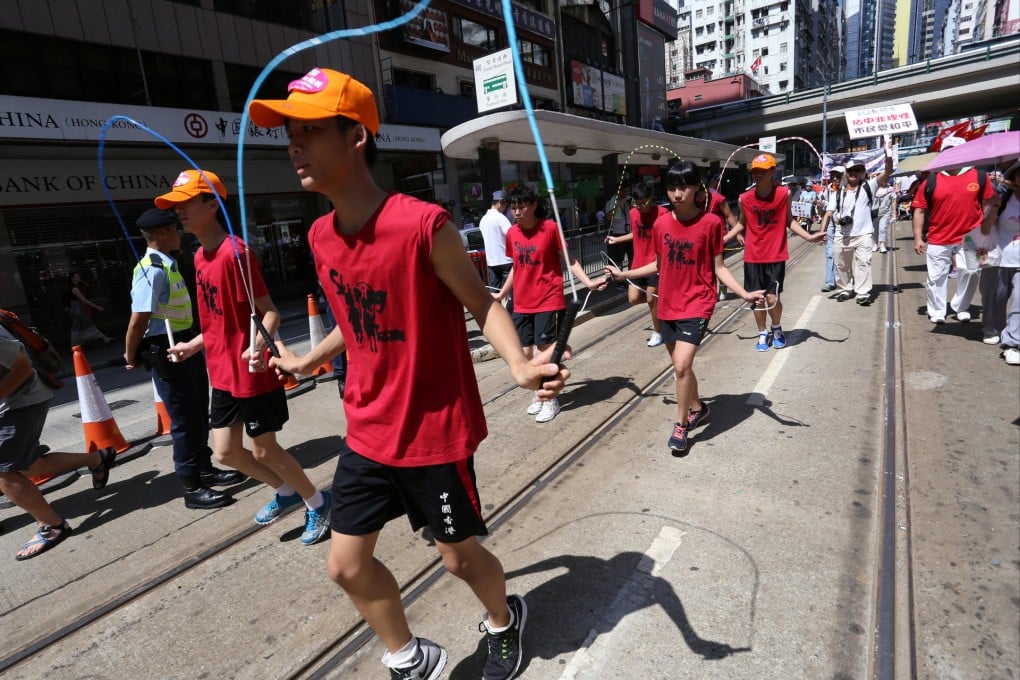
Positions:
(316, 334)
(101, 429)
(163, 420)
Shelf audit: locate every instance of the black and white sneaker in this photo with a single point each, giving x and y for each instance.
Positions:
(428, 664)
(505, 650)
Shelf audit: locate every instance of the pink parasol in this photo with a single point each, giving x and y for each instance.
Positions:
(986, 150)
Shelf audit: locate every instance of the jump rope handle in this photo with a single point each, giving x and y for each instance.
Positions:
(264, 332)
(573, 307)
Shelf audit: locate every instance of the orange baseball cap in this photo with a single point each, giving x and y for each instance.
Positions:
(189, 184)
(320, 93)
(763, 161)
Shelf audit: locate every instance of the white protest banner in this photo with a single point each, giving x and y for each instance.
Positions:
(495, 84)
(880, 120)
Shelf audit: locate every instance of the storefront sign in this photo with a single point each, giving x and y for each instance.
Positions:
(34, 182)
(880, 120)
(524, 19)
(429, 29)
(659, 15)
(28, 118)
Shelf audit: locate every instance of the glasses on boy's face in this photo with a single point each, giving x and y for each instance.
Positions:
(642, 202)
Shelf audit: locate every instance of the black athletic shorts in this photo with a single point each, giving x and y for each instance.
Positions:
(764, 276)
(264, 413)
(367, 495)
(538, 329)
(691, 331)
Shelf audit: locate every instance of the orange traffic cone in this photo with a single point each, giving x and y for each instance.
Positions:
(100, 428)
(316, 334)
(163, 420)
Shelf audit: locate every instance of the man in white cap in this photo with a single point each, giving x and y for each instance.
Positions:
(828, 226)
(494, 225)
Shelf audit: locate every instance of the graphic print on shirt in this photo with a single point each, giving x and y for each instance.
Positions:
(644, 230)
(524, 254)
(364, 306)
(765, 216)
(677, 251)
(209, 293)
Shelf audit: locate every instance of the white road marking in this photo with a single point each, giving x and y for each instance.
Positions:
(633, 595)
(760, 390)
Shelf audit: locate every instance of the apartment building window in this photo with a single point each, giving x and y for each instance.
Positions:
(533, 53)
(782, 48)
(474, 34)
(414, 79)
(307, 15)
(55, 68)
(241, 77)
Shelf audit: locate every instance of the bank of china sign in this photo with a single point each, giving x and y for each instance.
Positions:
(28, 118)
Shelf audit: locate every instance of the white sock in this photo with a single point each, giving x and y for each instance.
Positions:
(315, 501)
(285, 490)
(776, 327)
(403, 656)
(491, 629)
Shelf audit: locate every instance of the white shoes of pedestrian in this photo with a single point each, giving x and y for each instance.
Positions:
(963, 317)
(655, 340)
(990, 339)
(1012, 356)
(549, 410)
(535, 406)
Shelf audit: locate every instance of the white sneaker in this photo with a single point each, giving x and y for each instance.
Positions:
(655, 340)
(937, 319)
(1012, 356)
(990, 340)
(874, 248)
(963, 317)
(549, 410)
(535, 406)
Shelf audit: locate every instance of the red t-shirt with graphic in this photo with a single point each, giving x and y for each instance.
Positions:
(766, 224)
(537, 266)
(411, 396)
(224, 313)
(641, 226)
(686, 251)
(955, 208)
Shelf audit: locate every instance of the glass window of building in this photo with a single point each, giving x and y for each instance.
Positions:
(533, 53)
(240, 79)
(474, 34)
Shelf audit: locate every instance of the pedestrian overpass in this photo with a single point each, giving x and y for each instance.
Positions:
(977, 82)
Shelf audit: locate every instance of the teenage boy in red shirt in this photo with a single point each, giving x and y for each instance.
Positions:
(765, 214)
(642, 216)
(245, 396)
(397, 277)
(536, 278)
(688, 244)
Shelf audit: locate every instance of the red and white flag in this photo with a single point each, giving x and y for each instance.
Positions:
(958, 130)
(756, 64)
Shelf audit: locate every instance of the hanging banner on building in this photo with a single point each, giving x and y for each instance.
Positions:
(428, 29)
(614, 94)
(586, 85)
(495, 83)
(880, 120)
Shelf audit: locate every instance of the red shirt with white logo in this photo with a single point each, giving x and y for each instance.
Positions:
(686, 251)
(411, 397)
(224, 312)
(765, 226)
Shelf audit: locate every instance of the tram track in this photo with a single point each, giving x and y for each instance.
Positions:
(350, 640)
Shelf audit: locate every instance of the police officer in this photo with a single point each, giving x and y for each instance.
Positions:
(159, 298)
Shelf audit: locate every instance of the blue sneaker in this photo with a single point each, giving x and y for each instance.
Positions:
(778, 339)
(275, 508)
(764, 340)
(317, 521)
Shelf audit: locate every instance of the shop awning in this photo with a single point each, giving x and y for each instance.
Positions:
(574, 139)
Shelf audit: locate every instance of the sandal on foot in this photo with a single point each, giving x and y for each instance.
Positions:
(44, 539)
(101, 473)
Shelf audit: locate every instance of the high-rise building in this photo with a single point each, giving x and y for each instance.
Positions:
(785, 45)
(869, 27)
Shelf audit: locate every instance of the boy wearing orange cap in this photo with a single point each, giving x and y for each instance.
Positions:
(245, 396)
(765, 214)
(397, 277)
